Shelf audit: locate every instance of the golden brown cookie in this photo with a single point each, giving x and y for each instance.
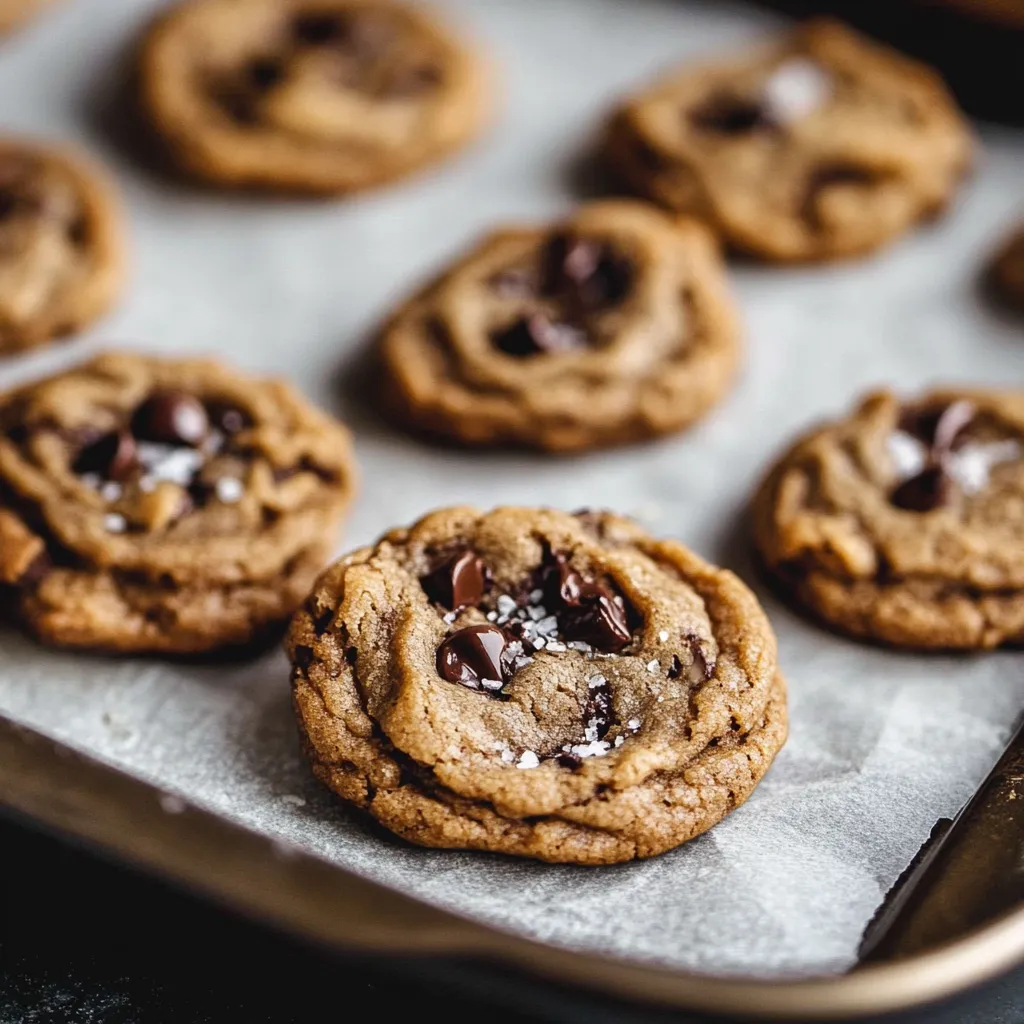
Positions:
(321, 96)
(171, 506)
(612, 326)
(61, 251)
(820, 145)
(905, 523)
(530, 682)
(1006, 271)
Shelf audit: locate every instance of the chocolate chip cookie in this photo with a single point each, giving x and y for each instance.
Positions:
(905, 523)
(530, 682)
(61, 259)
(1006, 272)
(320, 96)
(612, 326)
(164, 506)
(818, 146)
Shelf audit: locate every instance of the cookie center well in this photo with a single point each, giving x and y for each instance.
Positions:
(940, 452)
(561, 298)
(174, 453)
(371, 53)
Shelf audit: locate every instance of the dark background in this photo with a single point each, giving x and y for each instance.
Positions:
(85, 941)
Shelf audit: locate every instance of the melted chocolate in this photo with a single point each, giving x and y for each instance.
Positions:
(458, 581)
(171, 417)
(472, 655)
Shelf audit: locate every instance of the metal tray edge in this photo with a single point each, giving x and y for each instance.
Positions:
(72, 793)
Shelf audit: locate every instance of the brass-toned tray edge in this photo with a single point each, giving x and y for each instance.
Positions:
(316, 900)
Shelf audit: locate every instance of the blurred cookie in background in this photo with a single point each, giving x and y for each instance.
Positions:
(14, 12)
(314, 96)
(611, 326)
(820, 145)
(61, 248)
(1006, 271)
(901, 523)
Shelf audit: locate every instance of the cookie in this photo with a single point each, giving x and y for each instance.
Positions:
(536, 683)
(61, 250)
(820, 145)
(904, 523)
(612, 326)
(318, 96)
(1006, 272)
(164, 506)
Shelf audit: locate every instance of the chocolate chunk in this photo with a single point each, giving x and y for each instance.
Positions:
(567, 759)
(264, 73)
(597, 714)
(227, 418)
(458, 581)
(473, 654)
(10, 203)
(697, 670)
(318, 29)
(939, 428)
(729, 114)
(929, 490)
(171, 417)
(587, 611)
(113, 456)
(587, 273)
(538, 334)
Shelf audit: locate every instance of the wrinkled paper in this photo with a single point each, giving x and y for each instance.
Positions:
(882, 743)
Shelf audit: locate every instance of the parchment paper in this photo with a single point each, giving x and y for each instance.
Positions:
(882, 743)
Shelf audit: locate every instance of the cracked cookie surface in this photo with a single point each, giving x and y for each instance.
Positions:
(612, 326)
(321, 96)
(821, 145)
(61, 252)
(905, 522)
(164, 506)
(531, 682)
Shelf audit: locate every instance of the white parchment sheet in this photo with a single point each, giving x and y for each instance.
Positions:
(882, 743)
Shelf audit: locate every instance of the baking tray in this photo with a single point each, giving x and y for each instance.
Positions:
(194, 769)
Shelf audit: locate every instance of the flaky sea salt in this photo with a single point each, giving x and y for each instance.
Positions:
(653, 665)
(796, 88)
(555, 647)
(595, 748)
(175, 465)
(909, 456)
(528, 759)
(663, 635)
(115, 523)
(506, 606)
(619, 740)
(229, 490)
(595, 681)
(633, 724)
(536, 596)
